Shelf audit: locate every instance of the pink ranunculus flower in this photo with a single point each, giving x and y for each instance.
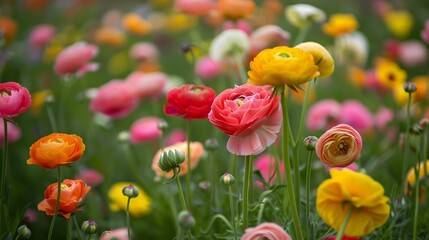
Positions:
(75, 59)
(117, 234)
(269, 231)
(340, 146)
(147, 85)
(177, 135)
(424, 34)
(356, 115)
(267, 36)
(383, 117)
(145, 130)
(250, 116)
(198, 8)
(40, 36)
(114, 99)
(142, 51)
(412, 53)
(13, 132)
(14, 99)
(242, 25)
(323, 115)
(90, 176)
(266, 164)
(207, 68)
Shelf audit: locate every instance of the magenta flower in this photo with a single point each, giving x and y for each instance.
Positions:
(13, 132)
(75, 59)
(40, 36)
(14, 99)
(425, 32)
(323, 115)
(145, 129)
(177, 135)
(250, 116)
(266, 164)
(207, 68)
(269, 231)
(356, 115)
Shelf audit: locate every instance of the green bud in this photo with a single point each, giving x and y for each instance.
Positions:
(171, 159)
(227, 179)
(410, 87)
(130, 191)
(24, 232)
(186, 220)
(89, 227)
(310, 142)
(211, 144)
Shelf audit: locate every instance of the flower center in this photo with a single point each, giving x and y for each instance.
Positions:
(196, 90)
(5, 91)
(63, 187)
(342, 147)
(283, 55)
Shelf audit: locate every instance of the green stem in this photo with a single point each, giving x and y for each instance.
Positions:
(69, 229)
(182, 198)
(416, 208)
(89, 237)
(247, 180)
(3, 169)
(288, 171)
(51, 118)
(188, 175)
(297, 183)
(407, 135)
(261, 210)
(77, 227)
(57, 204)
(17, 237)
(231, 206)
(128, 218)
(301, 35)
(307, 190)
(241, 71)
(213, 185)
(340, 233)
(303, 114)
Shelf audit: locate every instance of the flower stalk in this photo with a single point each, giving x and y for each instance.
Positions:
(57, 204)
(3, 169)
(340, 233)
(407, 139)
(246, 187)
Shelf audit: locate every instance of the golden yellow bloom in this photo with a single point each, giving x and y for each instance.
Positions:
(282, 65)
(109, 36)
(389, 74)
(411, 179)
(139, 206)
(179, 22)
(321, 56)
(51, 53)
(347, 189)
(339, 24)
(422, 84)
(399, 23)
(136, 25)
(38, 100)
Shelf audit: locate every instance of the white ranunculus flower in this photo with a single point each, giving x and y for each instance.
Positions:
(230, 46)
(352, 48)
(302, 15)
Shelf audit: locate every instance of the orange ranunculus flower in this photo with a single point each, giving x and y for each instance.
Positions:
(236, 9)
(321, 56)
(197, 151)
(72, 194)
(8, 29)
(422, 173)
(110, 36)
(282, 65)
(340, 24)
(136, 25)
(55, 150)
(346, 189)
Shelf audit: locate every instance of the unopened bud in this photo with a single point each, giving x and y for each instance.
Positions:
(310, 142)
(171, 159)
(24, 232)
(211, 144)
(130, 191)
(89, 227)
(124, 136)
(410, 87)
(227, 179)
(186, 220)
(162, 125)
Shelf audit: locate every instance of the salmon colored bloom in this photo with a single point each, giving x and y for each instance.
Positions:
(250, 115)
(321, 56)
(282, 65)
(136, 25)
(236, 9)
(340, 24)
(139, 206)
(197, 150)
(340, 146)
(399, 22)
(268, 231)
(75, 59)
(347, 189)
(14, 99)
(110, 36)
(55, 150)
(422, 172)
(147, 85)
(8, 28)
(198, 8)
(72, 194)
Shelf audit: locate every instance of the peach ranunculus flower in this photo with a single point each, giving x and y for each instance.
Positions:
(72, 194)
(139, 206)
(282, 65)
(136, 25)
(55, 150)
(340, 24)
(250, 115)
(321, 56)
(269, 231)
(340, 146)
(8, 29)
(236, 9)
(346, 189)
(410, 182)
(14, 99)
(197, 150)
(75, 59)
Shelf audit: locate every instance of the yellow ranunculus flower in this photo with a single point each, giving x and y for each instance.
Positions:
(38, 100)
(321, 56)
(346, 188)
(110, 36)
(399, 23)
(411, 180)
(139, 206)
(389, 74)
(339, 24)
(282, 65)
(135, 24)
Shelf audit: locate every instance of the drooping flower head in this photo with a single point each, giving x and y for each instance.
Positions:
(55, 150)
(250, 116)
(190, 101)
(72, 194)
(347, 189)
(75, 59)
(268, 231)
(140, 205)
(303, 15)
(340, 146)
(282, 65)
(340, 24)
(14, 99)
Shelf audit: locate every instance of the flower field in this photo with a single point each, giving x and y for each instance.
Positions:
(214, 119)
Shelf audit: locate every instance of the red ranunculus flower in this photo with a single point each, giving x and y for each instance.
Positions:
(190, 101)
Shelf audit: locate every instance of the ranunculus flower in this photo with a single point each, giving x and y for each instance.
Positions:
(424, 34)
(198, 8)
(40, 36)
(230, 46)
(399, 22)
(303, 15)
(115, 99)
(177, 135)
(190, 101)
(250, 115)
(323, 114)
(72, 194)
(13, 132)
(266, 164)
(383, 117)
(340, 24)
(90, 176)
(241, 24)
(197, 150)
(14, 99)
(139, 206)
(207, 68)
(352, 48)
(268, 231)
(340, 146)
(412, 53)
(147, 85)
(389, 74)
(321, 56)
(8, 28)
(110, 36)
(145, 129)
(282, 65)
(410, 182)
(75, 59)
(142, 51)
(136, 25)
(267, 36)
(347, 189)
(55, 150)
(236, 9)
(117, 234)
(356, 115)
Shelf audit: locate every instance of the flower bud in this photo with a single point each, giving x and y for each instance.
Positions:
(24, 232)
(410, 87)
(310, 142)
(186, 220)
(171, 159)
(211, 144)
(227, 179)
(130, 191)
(89, 227)
(204, 185)
(423, 123)
(186, 47)
(124, 136)
(162, 125)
